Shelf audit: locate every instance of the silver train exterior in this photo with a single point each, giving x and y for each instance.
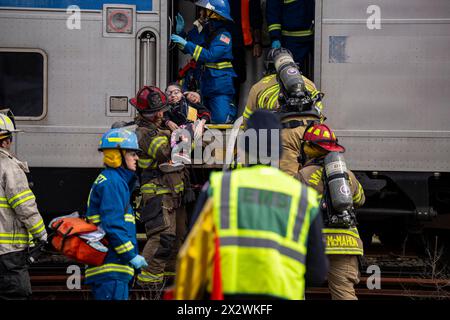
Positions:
(385, 70)
(386, 93)
(87, 73)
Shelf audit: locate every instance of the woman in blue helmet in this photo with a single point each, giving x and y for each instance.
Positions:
(109, 208)
(215, 53)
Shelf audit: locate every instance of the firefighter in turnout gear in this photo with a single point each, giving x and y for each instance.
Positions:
(265, 94)
(343, 245)
(258, 232)
(162, 210)
(216, 55)
(20, 221)
(109, 207)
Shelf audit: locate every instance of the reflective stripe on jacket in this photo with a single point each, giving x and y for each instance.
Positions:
(262, 216)
(154, 141)
(338, 241)
(264, 95)
(20, 220)
(291, 18)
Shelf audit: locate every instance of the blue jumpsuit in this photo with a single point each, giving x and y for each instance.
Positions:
(291, 23)
(217, 78)
(193, 74)
(109, 207)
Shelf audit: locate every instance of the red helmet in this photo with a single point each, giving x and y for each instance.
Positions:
(149, 99)
(322, 136)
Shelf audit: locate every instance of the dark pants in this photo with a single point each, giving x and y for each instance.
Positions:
(301, 48)
(110, 290)
(240, 67)
(165, 223)
(14, 278)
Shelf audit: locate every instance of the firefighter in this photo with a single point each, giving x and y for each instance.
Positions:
(216, 54)
(343, 246)
(162, 210)
(109, 207)
(290, 25)
(258, 234)
(19, 218)
(265, 94)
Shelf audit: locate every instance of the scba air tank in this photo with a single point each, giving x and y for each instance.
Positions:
(338, 182)
(289, 74)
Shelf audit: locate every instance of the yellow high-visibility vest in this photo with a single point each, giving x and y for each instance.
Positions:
(262, 216)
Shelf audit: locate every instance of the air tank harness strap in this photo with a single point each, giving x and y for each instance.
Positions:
(296, 123)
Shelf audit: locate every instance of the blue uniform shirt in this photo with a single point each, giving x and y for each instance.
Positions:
(217, 79)
(109, 207)
(294, 15)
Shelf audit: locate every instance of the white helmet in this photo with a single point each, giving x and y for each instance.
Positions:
(7, 126)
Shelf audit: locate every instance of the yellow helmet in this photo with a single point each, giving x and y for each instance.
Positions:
(7, 126)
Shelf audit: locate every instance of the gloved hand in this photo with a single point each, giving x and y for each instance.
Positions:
(180, 23)
(276, 44)
(139, 262)
(178, 40)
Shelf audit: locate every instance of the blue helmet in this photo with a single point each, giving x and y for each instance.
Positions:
(119, 138)
(221, 7)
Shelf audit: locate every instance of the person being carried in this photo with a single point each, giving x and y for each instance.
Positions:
(183, 114)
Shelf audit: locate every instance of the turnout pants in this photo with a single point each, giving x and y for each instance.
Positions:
(343, 275)
(14, 278)
(166, 224)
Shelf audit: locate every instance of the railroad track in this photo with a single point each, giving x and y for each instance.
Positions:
(54, 288)
(401, 278)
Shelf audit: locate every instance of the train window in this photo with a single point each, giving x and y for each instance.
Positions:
(23, 79)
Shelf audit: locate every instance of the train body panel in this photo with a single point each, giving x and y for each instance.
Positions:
(88, 73)
(386, 90)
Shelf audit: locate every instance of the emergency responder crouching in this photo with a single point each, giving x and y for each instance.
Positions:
(343, 244)
(268, 94)
(258, 234)
(216, 55)
(19, 218)
(162, 209)
(109, 207)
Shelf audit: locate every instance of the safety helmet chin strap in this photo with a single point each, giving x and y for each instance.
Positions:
(122, 155)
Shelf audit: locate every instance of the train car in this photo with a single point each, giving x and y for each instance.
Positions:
(68, 68)
(385, 70)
